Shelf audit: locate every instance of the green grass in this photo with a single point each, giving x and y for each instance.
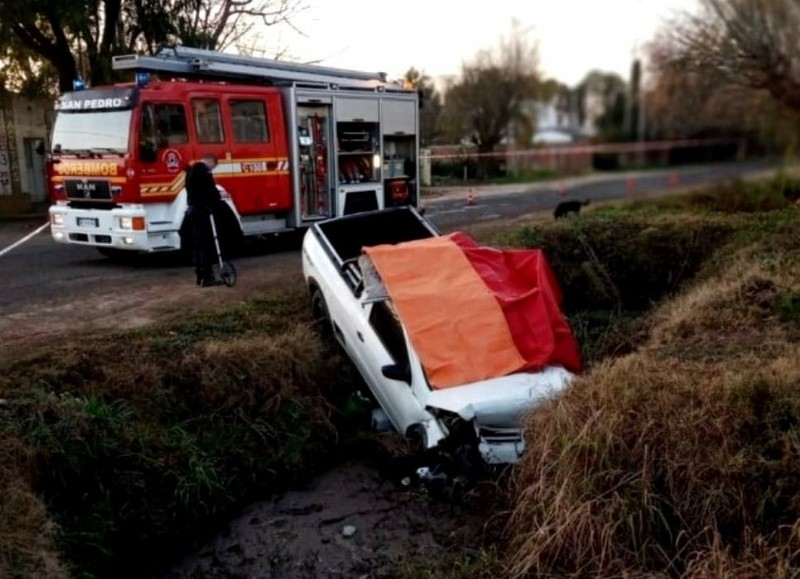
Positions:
(144, 442)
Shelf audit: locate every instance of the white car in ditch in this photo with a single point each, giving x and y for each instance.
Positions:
(364, 301)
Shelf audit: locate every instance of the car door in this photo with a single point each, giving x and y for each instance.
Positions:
(384, 344)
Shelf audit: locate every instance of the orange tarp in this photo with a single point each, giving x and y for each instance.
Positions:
(453, 319)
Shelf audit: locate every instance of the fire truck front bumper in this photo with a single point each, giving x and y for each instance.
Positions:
(121, 228)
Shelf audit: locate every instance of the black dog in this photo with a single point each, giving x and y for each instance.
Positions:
(566, 207)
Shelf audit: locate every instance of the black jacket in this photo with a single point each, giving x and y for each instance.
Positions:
(200, 187)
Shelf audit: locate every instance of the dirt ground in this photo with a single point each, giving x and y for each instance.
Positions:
(350, 522)
(113, 305)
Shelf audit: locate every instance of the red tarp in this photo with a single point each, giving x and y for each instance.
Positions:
(474, 313)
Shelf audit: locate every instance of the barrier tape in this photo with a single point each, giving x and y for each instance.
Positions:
(588, 149)
(23, 240)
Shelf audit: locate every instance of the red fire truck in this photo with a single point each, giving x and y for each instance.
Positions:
(296, 144)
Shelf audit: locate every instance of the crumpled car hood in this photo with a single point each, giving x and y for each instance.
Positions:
(500, 401)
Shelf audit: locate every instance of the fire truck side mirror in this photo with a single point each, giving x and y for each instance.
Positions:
(40, 148)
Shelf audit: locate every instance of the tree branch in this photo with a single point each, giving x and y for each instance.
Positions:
(113, 9)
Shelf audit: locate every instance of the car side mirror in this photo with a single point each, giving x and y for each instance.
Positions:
(397, 372)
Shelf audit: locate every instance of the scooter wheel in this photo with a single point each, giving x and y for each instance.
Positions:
(228, 274)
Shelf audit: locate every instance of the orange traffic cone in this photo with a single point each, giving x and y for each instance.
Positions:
(561, 189)
(674, 180)
(630, 185)
(470, 197)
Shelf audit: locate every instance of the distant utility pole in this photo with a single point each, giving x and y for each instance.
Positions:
(640, 124)
(639, 71)
(628, 123)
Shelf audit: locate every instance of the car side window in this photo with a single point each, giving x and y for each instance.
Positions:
(386, 325)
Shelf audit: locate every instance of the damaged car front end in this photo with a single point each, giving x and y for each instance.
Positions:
(480, 421)
(455, 342)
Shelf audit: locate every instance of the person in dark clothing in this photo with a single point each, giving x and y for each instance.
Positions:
(204, 200)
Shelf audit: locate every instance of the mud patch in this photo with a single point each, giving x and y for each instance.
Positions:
(350, 522)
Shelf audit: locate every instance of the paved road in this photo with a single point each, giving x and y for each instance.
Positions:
(41, 271)
(513, 200)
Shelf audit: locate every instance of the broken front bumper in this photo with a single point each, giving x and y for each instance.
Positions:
(500, 445)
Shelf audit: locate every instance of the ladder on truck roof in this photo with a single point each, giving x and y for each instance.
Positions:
(180, 61)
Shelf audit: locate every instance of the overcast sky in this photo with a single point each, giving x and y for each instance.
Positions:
(574, 36)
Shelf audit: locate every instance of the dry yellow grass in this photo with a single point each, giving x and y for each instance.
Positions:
(683, 458)
(27, 546)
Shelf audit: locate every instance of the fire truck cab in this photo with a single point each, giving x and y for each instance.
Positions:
(296, 144)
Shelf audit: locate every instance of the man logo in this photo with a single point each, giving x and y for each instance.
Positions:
(84, 189)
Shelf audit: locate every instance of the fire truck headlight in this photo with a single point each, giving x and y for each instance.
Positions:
(57, 218)
(58, 235)
(134, 223)
(127, 240)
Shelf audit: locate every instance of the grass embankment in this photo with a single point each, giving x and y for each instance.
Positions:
(120, 450)
(681, 457)
(619, 267)
(677, 451)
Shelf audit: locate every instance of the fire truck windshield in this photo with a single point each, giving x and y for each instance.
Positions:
(92, 132)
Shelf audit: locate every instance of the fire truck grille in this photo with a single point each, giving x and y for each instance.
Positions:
(88, 189)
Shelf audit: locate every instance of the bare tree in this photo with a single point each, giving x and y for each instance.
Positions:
(751, 43)
(685, 100)
(489, 95)
(78, 37)
(430, 101)
(212, 24)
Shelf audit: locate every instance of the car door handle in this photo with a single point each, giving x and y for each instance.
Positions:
(360, 336)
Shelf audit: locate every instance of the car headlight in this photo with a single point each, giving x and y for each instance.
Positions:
(57, 218)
